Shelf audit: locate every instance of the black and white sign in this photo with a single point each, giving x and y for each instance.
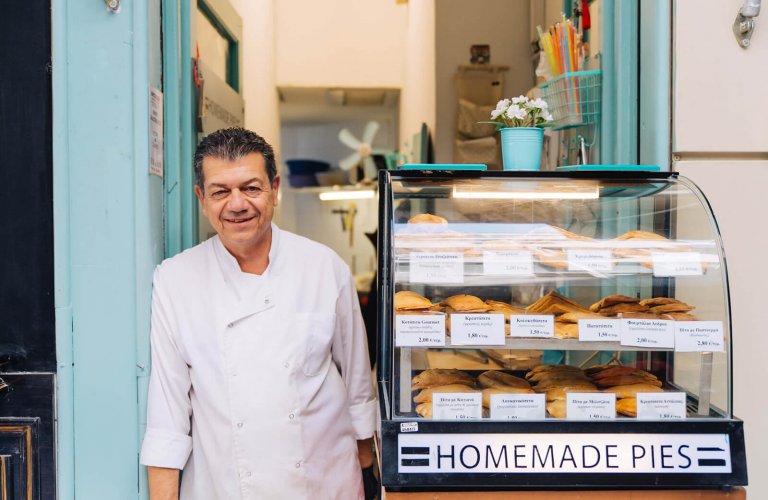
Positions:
(420, 330)
(661, 406)
(590, 406)
(557, 453)
(508, 263)
(477, 329)
(532, 325)
(699, 336)
(651, 333)
(590, 260)
(518, 406)
(457, 405)
(445, 267)
(599, 330)
(677, 264)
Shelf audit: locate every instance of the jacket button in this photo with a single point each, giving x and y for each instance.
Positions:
(298, 464)
(230, 325)
(239, 425)
(290, 416)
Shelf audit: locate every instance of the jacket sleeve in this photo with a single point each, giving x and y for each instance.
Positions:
(350, 353)
(167, 441)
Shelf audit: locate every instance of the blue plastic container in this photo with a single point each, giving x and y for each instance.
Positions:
(301, 173)
(521, 147)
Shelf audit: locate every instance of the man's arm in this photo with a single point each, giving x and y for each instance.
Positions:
(365, 452)
(163, 483)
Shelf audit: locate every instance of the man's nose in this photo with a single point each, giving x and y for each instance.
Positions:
(236, 201)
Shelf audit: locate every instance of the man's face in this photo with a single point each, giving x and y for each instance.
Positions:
(238, 200)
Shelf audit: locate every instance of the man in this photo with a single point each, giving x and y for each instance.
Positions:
(260, 384)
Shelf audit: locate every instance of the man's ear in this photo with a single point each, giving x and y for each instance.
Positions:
(199, 193)
(276, 189)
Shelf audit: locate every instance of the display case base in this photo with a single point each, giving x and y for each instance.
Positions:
(733, 494)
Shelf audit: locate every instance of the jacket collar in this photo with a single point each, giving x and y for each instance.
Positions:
(241, 301)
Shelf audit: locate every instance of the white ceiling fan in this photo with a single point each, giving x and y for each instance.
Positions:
(363, 149)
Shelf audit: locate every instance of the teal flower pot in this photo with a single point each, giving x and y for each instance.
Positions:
(521, 147)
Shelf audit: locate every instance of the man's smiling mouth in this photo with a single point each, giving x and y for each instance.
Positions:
(241, 220)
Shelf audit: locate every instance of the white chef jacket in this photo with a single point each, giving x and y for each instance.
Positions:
(260, 385)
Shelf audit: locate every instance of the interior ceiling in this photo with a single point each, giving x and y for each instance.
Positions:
(324, 104)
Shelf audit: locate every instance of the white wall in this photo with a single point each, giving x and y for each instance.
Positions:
(721, 143)
(345, 43)
(417, 100)
(502, 24)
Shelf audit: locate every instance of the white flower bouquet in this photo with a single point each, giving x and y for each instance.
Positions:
(520, 112)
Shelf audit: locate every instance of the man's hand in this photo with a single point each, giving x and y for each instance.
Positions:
(163, 483)
(365, 452)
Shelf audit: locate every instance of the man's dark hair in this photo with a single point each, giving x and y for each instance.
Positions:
(232, 144)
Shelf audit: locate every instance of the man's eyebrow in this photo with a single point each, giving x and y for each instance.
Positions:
(224, 186)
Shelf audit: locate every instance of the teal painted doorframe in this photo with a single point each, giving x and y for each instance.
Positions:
(108, 237)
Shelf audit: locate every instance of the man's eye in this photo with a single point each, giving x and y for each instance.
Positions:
(219, 194)
(252, 190)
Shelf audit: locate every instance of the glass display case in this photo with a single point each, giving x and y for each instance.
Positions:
(544, 329)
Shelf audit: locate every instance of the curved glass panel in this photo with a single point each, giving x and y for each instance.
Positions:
(622, 278)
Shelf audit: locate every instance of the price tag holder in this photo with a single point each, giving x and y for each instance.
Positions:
(508, 263)
(477, 329)
(661, 406)
(428, 267)
(518, 406)
(599, 330)
(590, 260)
(457, 405)
(676, 264)
(590, 406)
(420, 330)
(651, 333)
(699, 336)
(532, 326)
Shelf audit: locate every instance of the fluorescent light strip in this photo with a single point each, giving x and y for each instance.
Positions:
(531, 195)
(347, 195)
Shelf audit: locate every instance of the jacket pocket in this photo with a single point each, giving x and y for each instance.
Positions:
(316, 332)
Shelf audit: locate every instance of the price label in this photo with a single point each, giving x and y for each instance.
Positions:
(457, 405)
(661, 406)
(477, 329)
(508, 263)
(677, 264)
(437, 267)
(420, 330)
(518, 406)
(590, 260)
(699, 336)
(590, 406)
(532, 325)
(599, 330)
(651, 333)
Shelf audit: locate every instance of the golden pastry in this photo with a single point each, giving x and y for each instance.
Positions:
(658, 301)
(623, 308)
(427, 219)
(556, 393)
(465, 303)
(424, 409)
(441, 376)
(612, 371)
(566, 330)
(627, 406)
(553, 375)
(630, 391)
(425, 396)
(575, 316)
(548, 385)
(668, 308)
(493, 378)
(411, 301)
(557, 408)
(678, 316)
(640, 235)
(611, 300)
(555, 303)
(551, 368)
(628, 380)
(488, 391)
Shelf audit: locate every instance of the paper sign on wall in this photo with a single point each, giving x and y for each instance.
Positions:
(699, 336)
(590, 406)
(508, 263)
(457, 405)
(599, 330)
(532, 325)
(590, 260)
(661, 406)
(676, 264)
(518, 406)
(651, 333)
